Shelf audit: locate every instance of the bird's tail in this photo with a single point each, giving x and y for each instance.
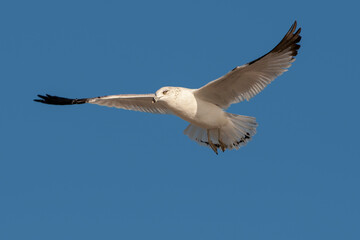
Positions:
(235, 134)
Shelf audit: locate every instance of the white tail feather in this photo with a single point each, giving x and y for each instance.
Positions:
(235, 134)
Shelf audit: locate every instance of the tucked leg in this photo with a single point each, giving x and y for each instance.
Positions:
(213, 147)
(222, 145)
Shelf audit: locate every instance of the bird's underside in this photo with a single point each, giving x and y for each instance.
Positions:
(241, 83)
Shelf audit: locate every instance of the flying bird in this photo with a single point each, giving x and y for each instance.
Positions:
(204, 107)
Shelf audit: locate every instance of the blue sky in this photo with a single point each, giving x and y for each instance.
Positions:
(91, 172)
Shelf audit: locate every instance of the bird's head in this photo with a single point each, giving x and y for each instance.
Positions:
(164, 94)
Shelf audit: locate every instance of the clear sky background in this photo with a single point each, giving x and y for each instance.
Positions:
(91, 172)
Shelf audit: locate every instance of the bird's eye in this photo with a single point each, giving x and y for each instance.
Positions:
(165, 92)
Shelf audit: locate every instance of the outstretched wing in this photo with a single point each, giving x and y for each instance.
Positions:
(136, 102)
(246, 81)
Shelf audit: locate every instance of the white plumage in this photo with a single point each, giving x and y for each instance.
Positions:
(204, 108)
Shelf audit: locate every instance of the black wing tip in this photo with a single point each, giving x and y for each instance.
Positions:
(55, 100)
(290, 40)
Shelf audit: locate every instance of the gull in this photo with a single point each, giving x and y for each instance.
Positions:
(204, 108)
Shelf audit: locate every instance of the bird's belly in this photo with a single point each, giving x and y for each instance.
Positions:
(202, 114)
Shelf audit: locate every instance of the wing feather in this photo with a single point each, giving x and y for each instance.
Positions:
(135, 102)
(244, 82)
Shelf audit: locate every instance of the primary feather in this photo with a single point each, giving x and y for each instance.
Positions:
(246, 81)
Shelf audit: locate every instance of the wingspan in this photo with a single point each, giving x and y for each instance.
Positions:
(246, 81)
(135, 102)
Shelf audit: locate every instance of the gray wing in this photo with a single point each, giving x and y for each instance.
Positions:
(246, 81)
(136, 102)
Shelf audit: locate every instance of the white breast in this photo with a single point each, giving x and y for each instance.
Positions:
(197, 111)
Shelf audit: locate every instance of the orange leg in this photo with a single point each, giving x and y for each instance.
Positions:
(222, 145)
(213, 147)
